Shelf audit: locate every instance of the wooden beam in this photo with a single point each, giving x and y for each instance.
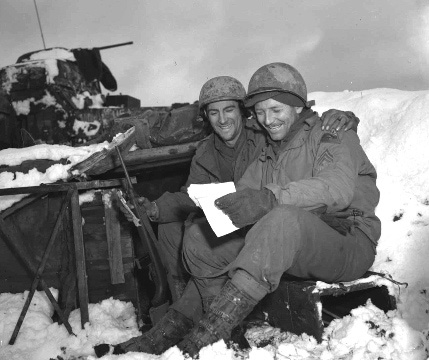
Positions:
(82, 281)
(21, 204)
(46, 188)
(39, 272)
(113, 234)
(160, 153)
(14, 240)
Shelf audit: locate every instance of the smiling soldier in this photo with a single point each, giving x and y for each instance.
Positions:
(309, 201)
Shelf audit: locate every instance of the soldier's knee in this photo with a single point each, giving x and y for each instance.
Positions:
(193, 241)
(285, 213)
(170, 234)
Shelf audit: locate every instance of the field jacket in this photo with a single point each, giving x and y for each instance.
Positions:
(205, 169)
(318, 169)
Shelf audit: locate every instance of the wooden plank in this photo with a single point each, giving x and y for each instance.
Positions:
(82, 282)
(40, 269)
(143, 134)
(21, 204)
(105, 159)
(160, 153)
(12, 237)
(113, 235)
(44, 188)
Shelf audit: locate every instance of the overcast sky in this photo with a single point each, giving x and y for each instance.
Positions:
(178, 45)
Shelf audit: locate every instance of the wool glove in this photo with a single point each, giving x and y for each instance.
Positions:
(247, 206)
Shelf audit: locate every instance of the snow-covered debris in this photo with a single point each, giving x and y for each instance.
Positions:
(367, 333)
(12, 157)
(56, 172)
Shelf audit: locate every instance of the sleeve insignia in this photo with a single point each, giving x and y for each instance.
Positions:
(325, 159)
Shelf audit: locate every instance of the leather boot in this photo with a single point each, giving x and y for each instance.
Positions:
(166, 333)
(226, 311)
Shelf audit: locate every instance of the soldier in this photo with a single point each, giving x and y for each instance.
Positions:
(224, 156)
(309, 201)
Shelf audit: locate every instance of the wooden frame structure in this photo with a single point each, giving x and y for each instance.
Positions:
(16, 243)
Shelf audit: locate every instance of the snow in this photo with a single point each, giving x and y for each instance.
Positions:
(23, 107)
(56, 172)
(88, 196)
(393, 131)
(89, 128)
(96, 100)
(59, 54)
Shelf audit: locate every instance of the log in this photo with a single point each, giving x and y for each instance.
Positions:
(160, 153)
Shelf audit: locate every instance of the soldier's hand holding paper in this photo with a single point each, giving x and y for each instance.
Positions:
(247, 206)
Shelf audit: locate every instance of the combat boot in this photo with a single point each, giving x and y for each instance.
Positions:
(166, 333)
(226, 311)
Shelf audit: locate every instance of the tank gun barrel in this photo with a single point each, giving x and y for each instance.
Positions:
(114, 45)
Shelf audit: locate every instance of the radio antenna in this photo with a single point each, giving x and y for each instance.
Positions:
(40, 25)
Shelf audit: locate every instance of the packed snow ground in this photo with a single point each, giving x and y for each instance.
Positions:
(393, 130)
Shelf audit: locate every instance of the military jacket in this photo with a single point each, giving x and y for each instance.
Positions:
(204, 170)
(319, 169)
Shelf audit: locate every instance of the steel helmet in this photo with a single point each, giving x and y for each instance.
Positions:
(221, 88)
(277, 77)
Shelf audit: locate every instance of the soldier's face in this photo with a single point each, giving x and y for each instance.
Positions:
(276, 117)
(225, 118)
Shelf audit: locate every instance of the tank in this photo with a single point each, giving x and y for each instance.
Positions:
(55, 96)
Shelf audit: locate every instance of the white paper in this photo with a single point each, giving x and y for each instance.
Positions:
(204, 196)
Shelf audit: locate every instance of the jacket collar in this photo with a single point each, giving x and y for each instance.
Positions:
(208, 159)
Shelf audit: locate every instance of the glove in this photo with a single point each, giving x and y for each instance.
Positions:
(247, 206)
(151, 208)
(339, 120)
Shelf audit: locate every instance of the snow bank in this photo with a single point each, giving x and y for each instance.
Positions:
(393, 130)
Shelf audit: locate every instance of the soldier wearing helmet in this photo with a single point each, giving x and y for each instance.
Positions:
(224, 156)
(305, 208)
